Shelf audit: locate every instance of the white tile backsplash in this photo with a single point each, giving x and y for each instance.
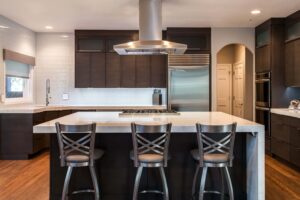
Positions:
(55, 60)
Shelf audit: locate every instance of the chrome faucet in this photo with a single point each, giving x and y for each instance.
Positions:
(47, 92)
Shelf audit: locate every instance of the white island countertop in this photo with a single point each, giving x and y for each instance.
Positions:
(111, 122)
(286, 112)
(36, 108)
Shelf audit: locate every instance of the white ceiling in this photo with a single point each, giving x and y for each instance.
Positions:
(67, 15)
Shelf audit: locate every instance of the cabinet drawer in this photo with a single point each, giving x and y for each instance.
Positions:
(295, 136)
(280, 131)
(280, 148)
(295, 155)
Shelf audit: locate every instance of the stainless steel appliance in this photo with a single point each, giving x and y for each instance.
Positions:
(189, 82)
(149, 112)
(150, 33)
(263, 89)
(157, 97)
(263, 104)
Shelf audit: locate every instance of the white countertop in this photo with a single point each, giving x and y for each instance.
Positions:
(33, 108)
(286, 112)
(111, 122)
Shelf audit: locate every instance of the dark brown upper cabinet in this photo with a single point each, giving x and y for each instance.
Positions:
(97, 71)
(89, 70)
(113, 70)
(82, 70)
(142, 67)
(269, 41)
(198, 40)
(93, 44)
(128, 71)
(159, 68)
(292, 50)
(292, 63)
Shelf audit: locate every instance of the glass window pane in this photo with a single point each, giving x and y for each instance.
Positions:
(15, 87)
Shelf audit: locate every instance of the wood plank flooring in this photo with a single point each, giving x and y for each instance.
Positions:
(29, 180)
(25, 179)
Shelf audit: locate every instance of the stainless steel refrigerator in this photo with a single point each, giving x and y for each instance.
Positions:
(189, 82)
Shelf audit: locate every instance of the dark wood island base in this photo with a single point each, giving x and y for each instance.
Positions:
(116, 172)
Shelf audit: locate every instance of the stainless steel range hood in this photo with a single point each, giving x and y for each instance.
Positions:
(150, 33)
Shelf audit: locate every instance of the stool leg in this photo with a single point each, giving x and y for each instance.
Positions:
(137, 183)
(223, 183)
(95, 182)
(164, 181)
(195, 181)
(228, 179)
(66, 183)
(202, 184)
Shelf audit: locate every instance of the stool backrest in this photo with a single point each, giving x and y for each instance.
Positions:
(216, 139)
(158, 144)
(70, 146)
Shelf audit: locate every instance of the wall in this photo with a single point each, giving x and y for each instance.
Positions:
(55, 60)
(16, 38)
(222, 37)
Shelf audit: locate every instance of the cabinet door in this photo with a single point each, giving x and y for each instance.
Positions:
(263, 59)
(159, 71)
(128, 71)
(280, 148)
(90, 44)
(297, 62)
(142, 67)
(197, 39)
(113, 70)
(289, 63)
(97, 70)
(82, 70)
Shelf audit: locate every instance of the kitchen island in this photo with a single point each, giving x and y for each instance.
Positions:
(116, 172)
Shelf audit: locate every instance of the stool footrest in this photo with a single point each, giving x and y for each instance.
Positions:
(152, 191)
(213, 192)
(83, 191)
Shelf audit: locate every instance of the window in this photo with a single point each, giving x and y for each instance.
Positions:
(18, 82)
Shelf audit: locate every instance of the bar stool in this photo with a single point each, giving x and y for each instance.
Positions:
(214, 152)
(150, 153)
(78, 153)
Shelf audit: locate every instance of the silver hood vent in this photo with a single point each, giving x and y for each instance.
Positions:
(150, 33)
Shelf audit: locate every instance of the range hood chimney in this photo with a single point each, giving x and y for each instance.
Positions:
(150, 33)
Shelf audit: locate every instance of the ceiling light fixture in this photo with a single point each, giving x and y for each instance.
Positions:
(2, 26)
(64, 36)
(255, 12)
(48, 27)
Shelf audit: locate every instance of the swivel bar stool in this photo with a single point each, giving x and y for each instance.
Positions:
(150, 153)
(78, 153)
(214, 152)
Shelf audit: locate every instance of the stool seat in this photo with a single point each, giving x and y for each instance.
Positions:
(211, 158)
(80, 157)
(149, 157)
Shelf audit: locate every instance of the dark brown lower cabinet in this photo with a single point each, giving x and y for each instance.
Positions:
(285, 142)
(17, 138)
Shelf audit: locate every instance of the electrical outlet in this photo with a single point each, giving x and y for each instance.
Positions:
(65, 96)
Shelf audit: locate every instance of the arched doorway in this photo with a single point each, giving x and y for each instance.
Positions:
(234, 81)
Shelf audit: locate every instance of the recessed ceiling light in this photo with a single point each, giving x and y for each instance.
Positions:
(48, 27)
(255, 12)
(64, 36)
(2, 26)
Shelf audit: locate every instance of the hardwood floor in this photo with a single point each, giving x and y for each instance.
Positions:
(282, 182)
(29, 180)
(25, 179)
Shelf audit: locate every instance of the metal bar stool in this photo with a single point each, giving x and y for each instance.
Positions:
(214, 152)
(150, 153)
(78, 153)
